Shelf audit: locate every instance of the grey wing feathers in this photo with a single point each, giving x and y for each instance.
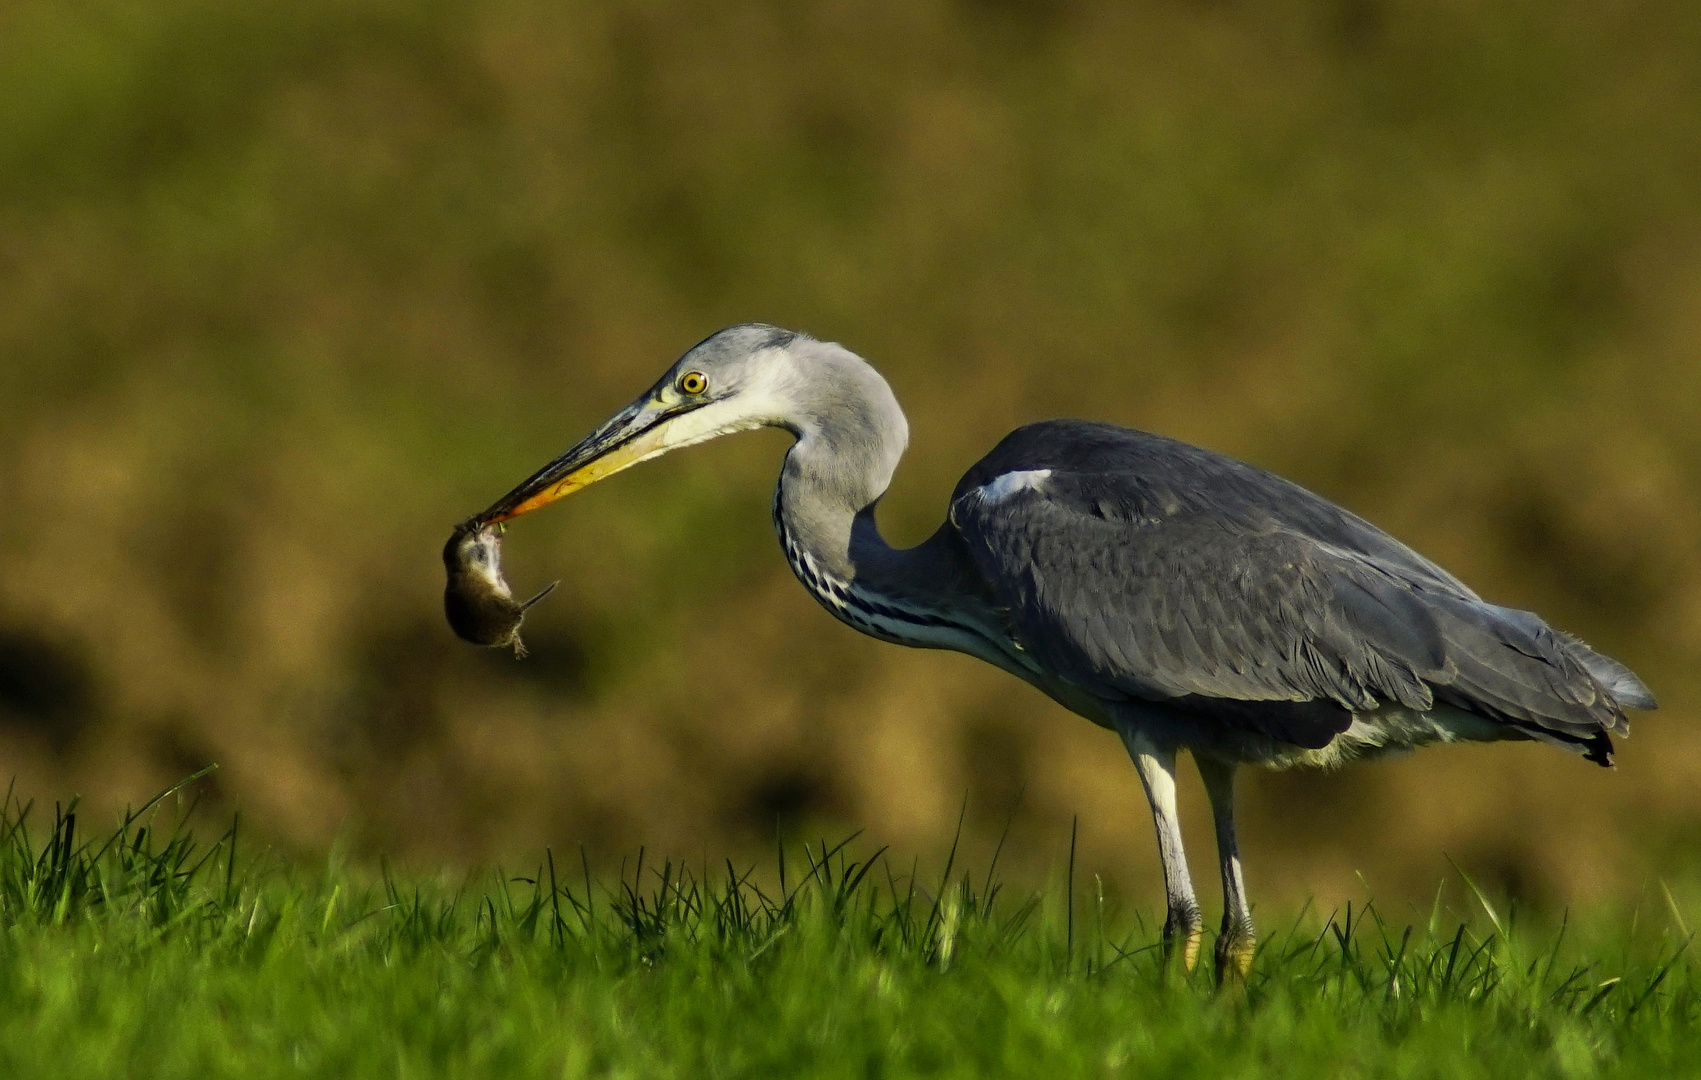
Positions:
(1143, 567)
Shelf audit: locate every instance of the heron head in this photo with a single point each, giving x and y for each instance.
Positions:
(735, 380)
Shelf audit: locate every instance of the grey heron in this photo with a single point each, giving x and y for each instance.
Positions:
(1182, 599)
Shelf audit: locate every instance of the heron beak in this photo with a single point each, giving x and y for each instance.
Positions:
(634, 434)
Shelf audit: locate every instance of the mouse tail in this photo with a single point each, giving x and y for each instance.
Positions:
(545, 591)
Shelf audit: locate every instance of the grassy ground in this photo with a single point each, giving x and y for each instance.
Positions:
(145, 953)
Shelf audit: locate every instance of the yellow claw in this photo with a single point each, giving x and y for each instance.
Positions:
(1234, 961)
(1190, 948)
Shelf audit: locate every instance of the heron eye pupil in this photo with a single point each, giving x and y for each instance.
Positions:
(693, 382)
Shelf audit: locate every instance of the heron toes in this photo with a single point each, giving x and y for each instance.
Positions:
(1182, 936)
(1236, 946)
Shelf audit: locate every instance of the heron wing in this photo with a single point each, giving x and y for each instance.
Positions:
(1137, 566)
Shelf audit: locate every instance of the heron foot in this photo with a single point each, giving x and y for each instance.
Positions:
(1236, 947)
(1183, 933)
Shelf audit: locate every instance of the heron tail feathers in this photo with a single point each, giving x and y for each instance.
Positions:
(1616, 679)
(1620, 683)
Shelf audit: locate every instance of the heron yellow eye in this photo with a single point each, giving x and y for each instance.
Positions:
(693, 382)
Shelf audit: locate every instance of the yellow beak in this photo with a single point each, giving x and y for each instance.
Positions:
(635, 433)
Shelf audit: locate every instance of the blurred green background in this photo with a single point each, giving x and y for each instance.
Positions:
(288, 288)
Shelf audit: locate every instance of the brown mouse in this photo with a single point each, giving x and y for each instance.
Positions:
(480, 606)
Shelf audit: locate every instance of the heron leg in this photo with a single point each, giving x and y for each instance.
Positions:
(1156, 766)
(1238, 941)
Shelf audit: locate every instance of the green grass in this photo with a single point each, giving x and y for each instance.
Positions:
(145, 952)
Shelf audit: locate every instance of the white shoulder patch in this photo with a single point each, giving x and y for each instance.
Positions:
(1001, 488)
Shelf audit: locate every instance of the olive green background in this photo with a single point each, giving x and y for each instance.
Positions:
(287, 287)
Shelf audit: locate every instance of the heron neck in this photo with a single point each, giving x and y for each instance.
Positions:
(851, 434)
(824, 509)
(927, 595)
